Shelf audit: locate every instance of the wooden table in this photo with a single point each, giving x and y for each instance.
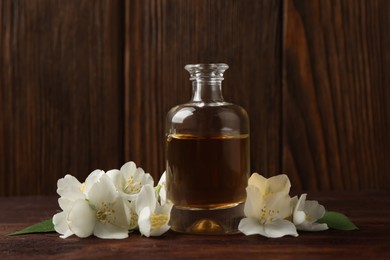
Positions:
(370, 211)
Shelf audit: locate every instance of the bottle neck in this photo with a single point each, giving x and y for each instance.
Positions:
(207, 91)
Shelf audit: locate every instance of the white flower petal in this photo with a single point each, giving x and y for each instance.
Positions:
(122, 211)
(67, 234)
(280, 203)
(144, 221)
(300, 206)
(142, 177)
(314, 210)
(299, 217)
(109, 231)
(67, 181)
(159, 231)
(258, 181)
(60, 223)
(294, 201)
(102, 191)
(146, 199)
(69, 187)
(253, 203)
(147, 179)
(92, 178)
(128, 169)
(280, 228)
(251, 226)
(116, 177)
(274, 184)
(81, 219)
(164, 209)
(138, 174)
(129, 197)
(134, 217)
(163, 189)
(312, 226)
(279, 183)
(65, 203)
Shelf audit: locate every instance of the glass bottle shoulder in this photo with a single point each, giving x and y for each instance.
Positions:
(202, 119)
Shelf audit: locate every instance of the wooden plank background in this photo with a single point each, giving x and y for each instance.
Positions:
(61, 78)
(86, 84)
(336, 62)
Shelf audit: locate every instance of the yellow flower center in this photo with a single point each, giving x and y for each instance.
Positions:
(132, 186)
(267, 215)
(158, 220)
(105, 214)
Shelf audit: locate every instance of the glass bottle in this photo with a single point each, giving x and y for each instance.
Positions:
(207, 157)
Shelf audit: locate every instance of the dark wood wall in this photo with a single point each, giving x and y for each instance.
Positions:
(86, 84)
(336, 114)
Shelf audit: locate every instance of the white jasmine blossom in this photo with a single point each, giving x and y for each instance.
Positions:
(306, 213)
(72, 193)
(129, 180)
(153, 218)
(101, 212)
(267, 206)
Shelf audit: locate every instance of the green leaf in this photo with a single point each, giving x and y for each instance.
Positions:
(337, 221)
(42, 227)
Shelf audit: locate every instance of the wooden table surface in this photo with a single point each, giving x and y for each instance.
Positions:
(370, 211)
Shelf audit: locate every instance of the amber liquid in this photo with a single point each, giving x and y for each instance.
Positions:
(207, 172)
